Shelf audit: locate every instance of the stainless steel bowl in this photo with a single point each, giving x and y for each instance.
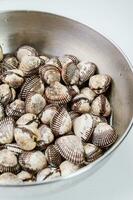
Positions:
(56, 35)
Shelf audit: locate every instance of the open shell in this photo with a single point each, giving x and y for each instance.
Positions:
(71, 148)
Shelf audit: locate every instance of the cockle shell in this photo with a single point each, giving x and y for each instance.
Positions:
(104, 135)
(25, 138)
(24, 176)
(54, 61)
(8, 162)
(99, 83)
(101, 106)
(9, 178)
(90, 94)
(98, 119)
(73, 90)
(14, 78)
(49, 73)
(70, 74)
(53, 156)
(35, 103)
(1, 54)
(25, 51)
(61, 122)
(6, 130)
(66, 59)
(83, 126)
(80, 103)
(33, 161)
(47, 174)
(86, 70)
(7, 94)
(71, 148)
(57, 94)
(16, 109)
(73, 115)
(11, 61)
(13, 148)
(2, 113)
(48, 113)
(68, 168)
(31, 84)
(43, 59)
(29, 65)
(92, 152)
(46, 135)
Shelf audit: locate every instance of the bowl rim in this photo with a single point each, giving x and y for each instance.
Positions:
(118, 142)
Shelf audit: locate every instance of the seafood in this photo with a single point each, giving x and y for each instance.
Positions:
(80, 103)
(68, 168)
(92, 152)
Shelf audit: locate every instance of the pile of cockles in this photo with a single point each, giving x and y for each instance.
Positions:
(54, 116)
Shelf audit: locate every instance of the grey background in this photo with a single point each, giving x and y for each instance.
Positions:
(114, 19)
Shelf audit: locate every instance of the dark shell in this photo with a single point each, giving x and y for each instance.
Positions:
(53, 156)
(74, 115)
(61, 122)
(104, 135)
(44, 59)
(57, 94)
(66, 59)
(2, 113)
(11, 61)
(73, 90)
(71, 148)
(32, 83)
(92, 152)
(80, 103)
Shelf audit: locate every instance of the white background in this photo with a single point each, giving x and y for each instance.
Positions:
(114, 18)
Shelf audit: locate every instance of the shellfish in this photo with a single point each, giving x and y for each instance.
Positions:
(68, 168)
(25, 50)
(13, 148)
(98, 119)
(35, 103)
(66, 59)
(80, 103)
(83, 126)
(54, 61)
(99, 83)
(73, 90)
(24, 176)
(7, 94)
(57, 94)
(71, 148)
(47, 174)
(33, 161)
(86, 70)
(46, 135)
(101, 106)
(2, 113)
(92, 152)
(44, 59)
(9, 178)
(104, 135)
(11, 61)
(61, 122)
(90, 94)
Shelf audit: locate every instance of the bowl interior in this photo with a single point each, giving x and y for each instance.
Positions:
(55, 35)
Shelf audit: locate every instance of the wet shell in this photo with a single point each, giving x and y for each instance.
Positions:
(14, 78)
(66, 59)
(100, 83)
(104, 135)
(68, 168)
(61, 122)
(9, 178)
(24, 176)
(92, 152)
(47, 174)
(43, 59)
(101, 106)
(71, 148)
(31, 84)
(29, 65)
(54, 175)
(16, 109)
(83, 127)
(13, 148)
(33, 161)
(49, 74)
(73, 115)
(86, 70)
(73, 90)
(11, 61)
(8, 162)
(7, 94)
(46, 134)
(2, 113)
(70, 74)
(57, 94)
(48, 113)
(1, 54)
(53, 156)
(90, 94)
(6, 130)
(54, 61)
(98, 119)
(80, 103)
(25, 138)
(35, 103)
(25, 51)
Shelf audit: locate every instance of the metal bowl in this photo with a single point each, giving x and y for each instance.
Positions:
(56, 35)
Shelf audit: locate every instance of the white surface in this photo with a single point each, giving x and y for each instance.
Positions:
(113, 18)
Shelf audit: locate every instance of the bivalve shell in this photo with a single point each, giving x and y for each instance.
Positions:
(25, 51)
(68, 168)
(71, 148)
(46, 134)
(47, 174)
(7, 94)
(66, 59)
(1, 53)
(43, 59)
(73, 90)
(11, 61)
(54, 61)
(104, 135)
(80, 103)
(2, 113)
(9, 179)
(13, 148)
(24, 176)
(90, 94)
(98, 119)
(92, 152)
(83, 127)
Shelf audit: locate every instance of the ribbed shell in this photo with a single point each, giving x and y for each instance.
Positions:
(2, 113)
(104, 135)
(83, 126)
(61, 122)
(71, 148)
(25, 51)
(13, 148)
(54, 61)
(6, 130)
(80, 103)
(11, 61)
(57, 94)
(90, 94)
(68, 168)
(7, 94)
(92, 152)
